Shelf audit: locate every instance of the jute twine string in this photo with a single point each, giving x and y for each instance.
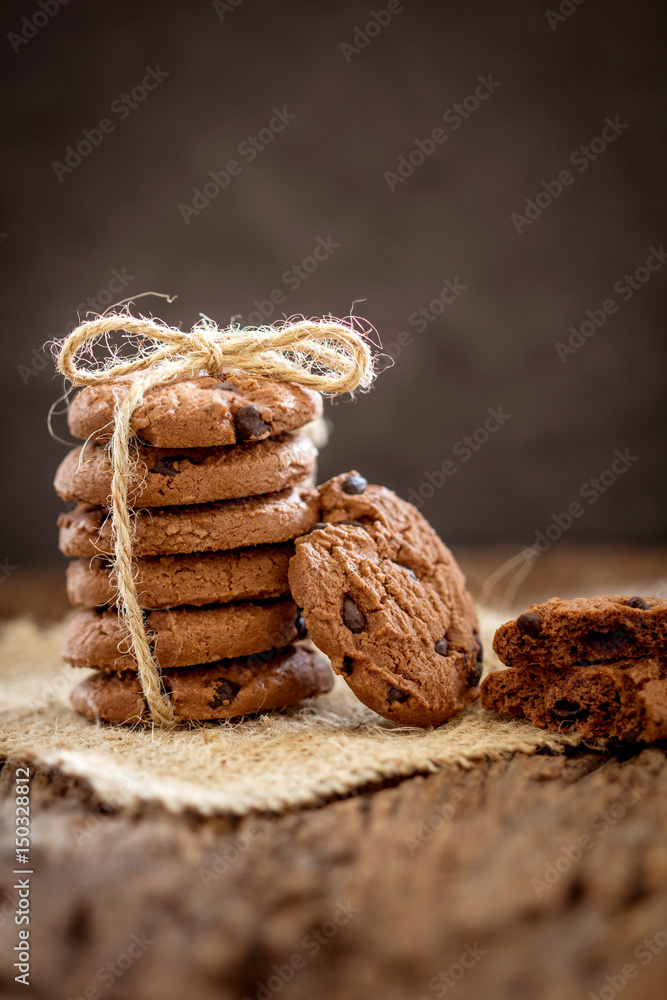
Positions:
(328, 355)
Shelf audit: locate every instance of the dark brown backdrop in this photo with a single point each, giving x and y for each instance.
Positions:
(321, 181)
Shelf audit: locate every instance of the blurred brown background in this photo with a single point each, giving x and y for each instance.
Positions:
(218, 72)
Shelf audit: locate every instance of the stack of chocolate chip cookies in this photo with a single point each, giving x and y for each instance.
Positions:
(222, 493)
(596, 666)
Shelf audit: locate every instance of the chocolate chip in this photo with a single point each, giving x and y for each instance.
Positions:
(441, 646)
(300, 626)
(354, 485)
(226, 386)
(395, 694)
(165, 467)
(225, 691)
(348, 666)
(354, 524)
(480, 649)
(529, 623)
(315, 527)
(565, 709)
(352, 616)
(249, 424)
(639, 602)
(474, 674)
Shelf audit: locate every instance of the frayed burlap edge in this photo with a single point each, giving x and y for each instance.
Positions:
(300, 757)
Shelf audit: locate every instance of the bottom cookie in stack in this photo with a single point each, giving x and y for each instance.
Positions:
(591, 666)
(222, 690)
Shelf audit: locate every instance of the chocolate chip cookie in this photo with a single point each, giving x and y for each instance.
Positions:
(190, 475)
(202, 412)
(181, 636)
(197, 579)
(384, 598)
(584, 630)
(625, 699)
(221, 690)
(227, 524)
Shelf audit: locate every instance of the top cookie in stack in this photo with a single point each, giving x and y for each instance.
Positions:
(222, 492)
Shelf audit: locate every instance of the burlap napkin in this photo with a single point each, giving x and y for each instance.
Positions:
(321, 749)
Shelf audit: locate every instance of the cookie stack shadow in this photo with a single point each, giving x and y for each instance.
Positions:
(224, 487)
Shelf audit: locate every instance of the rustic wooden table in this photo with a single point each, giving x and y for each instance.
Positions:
(536, 877)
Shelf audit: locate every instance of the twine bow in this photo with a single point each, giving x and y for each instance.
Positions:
(327, 355)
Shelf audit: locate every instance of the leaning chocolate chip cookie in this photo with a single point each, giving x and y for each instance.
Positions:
(584, 630)
(183, 636)
(199, 413)
(226, 524)
(223, 690)
(623, 699)
(384, 598)
(191, 475)
(196, 579)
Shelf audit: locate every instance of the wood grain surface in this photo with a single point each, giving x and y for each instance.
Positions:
(542, 878)
(535, 877)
